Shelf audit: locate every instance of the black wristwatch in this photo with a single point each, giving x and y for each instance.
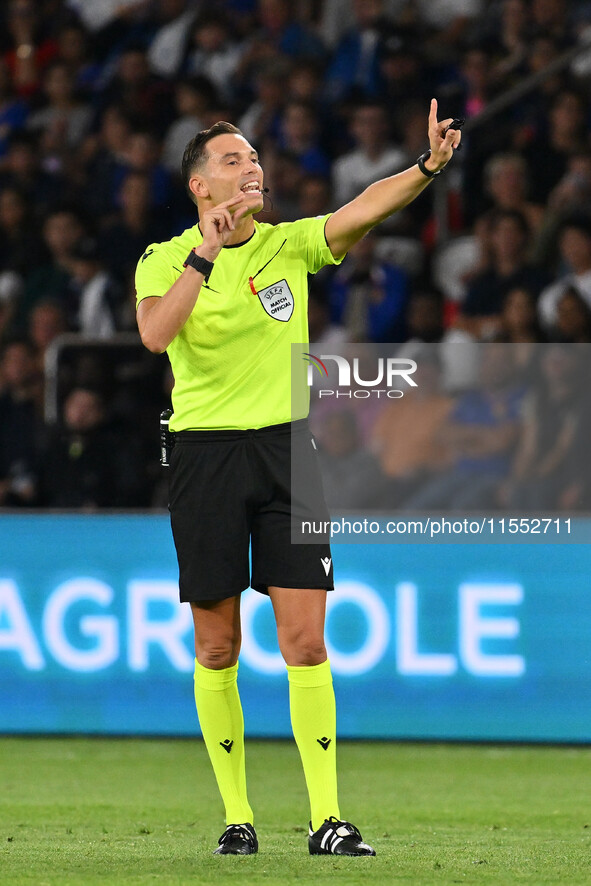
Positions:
(421, 164)
(199, 263)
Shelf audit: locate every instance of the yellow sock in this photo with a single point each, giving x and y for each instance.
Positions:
(222, 724)
(313, 720)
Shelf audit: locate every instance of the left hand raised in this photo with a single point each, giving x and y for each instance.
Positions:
(442, 146)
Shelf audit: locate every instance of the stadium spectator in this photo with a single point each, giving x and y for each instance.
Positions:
(373, 157)
(424, 317)
(19, 424)
(85, 463)
(519, 327)
(570, 197)
(351, 476)
(566, 134)
(213, 52)
(13, 110)
(98, 301)
(456, 355)
(575, 256)
(46, 321)
(458, 261)
(173, 26)
(407, 435)
(573, 191)
(22, 168)
(509, 268)
(480, 432)
(64, 121)
(337, 18)
(276, 40)
(194, 97)
(509, 37)
(476, 82)
(143, 155)
(61, 230)
(314, 196)
(104, 160)
(573, 318)
(321, 331)
(260, 120)
(506, 184)
(299, 135)
(404, 74)
(144, 98)
(125, 233)
(355, 66)
(100, 14)
(305, 81)
(551, 17)
(31, 51)
(548, 470)
(518, 320)
(368, 296)
(467, 95)
(446, 23)
(74, 50)
(285, 177)
(530, 117)
(20, 248)
(11, 288)
(281, 29)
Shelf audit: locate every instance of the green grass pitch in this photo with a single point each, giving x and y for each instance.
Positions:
(77, 811)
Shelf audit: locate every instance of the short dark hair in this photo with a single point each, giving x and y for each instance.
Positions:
(514, 215)
(580, 221)
(196, 154)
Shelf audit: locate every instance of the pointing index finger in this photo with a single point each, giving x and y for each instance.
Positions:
(433, 114)
(238, 198)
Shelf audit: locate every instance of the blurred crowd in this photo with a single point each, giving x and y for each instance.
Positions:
(515, 438)
(97, 101)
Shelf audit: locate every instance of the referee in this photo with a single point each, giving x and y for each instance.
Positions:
(226, 299)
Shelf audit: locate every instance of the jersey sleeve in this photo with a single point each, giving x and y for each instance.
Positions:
(312, 241)
(154, 274)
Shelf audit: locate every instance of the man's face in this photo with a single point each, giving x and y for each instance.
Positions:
(369, 124)
(83, 411)
(17, 365)
(232, 166)
(61, 230)
(508, 238)
(575, 248)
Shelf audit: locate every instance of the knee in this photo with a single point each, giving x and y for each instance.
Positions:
(217, 656)
(303, 649)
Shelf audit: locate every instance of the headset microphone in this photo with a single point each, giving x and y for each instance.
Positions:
(265, 192)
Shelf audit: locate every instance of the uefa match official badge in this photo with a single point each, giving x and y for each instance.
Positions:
(277, 300)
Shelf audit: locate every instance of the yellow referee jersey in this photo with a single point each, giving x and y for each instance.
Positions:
(231, 361)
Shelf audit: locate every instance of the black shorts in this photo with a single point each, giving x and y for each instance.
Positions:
(230, 491)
